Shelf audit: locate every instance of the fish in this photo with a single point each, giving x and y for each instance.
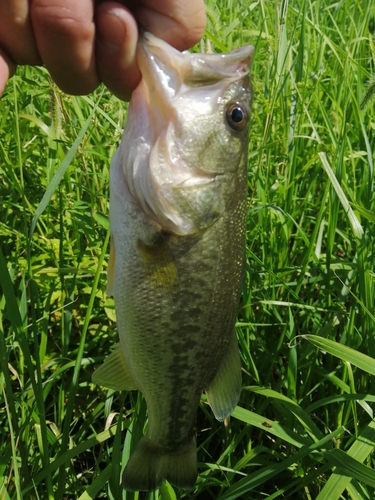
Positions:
(178, 188)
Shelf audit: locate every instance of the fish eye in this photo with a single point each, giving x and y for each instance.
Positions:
(237, 116)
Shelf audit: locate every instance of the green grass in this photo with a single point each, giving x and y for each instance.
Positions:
(304, 427)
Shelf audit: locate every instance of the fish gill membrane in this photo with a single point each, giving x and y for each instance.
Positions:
(178, 188)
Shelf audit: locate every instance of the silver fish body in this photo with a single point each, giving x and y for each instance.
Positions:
(177, 214)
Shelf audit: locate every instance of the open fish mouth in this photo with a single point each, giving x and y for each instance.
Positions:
(169, 73)
(156, 58)
(180, 95)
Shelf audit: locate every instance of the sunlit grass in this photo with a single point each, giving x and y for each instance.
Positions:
(304, 426)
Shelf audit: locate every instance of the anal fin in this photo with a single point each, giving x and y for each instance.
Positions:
(224, 391)
(114, 373)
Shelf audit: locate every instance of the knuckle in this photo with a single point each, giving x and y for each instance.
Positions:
(16, 35)
(64, 19)
(192, 32)
(193, 36)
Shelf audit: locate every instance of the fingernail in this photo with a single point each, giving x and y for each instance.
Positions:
(111, 31)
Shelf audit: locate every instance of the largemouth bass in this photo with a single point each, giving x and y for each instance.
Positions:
(177, 214)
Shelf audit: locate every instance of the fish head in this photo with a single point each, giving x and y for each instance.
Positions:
(186, 137)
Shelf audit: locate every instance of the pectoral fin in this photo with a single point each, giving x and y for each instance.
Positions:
(159, 263)
(224, 391)
(114, 373)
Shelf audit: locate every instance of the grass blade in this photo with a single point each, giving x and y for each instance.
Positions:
(60, 173)
(359, 451)
(343, 352)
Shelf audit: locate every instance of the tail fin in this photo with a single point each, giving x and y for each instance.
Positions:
(150, 464)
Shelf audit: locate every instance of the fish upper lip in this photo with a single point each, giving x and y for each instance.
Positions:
(156, 57)
(147, 41)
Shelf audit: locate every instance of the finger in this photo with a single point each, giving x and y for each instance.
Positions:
(7, 68)
(181, 24)
(115, 50)
(65, 33)
(16, 35)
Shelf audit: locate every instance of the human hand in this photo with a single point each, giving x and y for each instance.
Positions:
(84, 42)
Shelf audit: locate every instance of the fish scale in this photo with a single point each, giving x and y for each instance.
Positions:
(181, 336)
(178, 213)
